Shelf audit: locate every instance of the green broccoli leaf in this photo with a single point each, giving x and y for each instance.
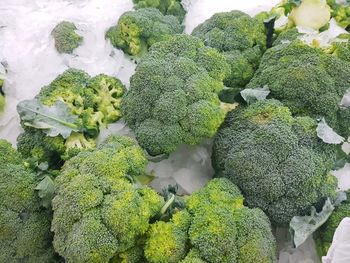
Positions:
(53, 120)
(46, 191)
(302, 227)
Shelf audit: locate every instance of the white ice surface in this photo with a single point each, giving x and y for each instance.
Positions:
(26, 45)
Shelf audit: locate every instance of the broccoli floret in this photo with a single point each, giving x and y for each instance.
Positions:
(241, 38)
(167, 241)
(277, 161)
(324, 235)
(308, 81)
(96, 102)
(137, 30)
(66, 39)
(95, 195)
(340, 12)
(109, 91)
(173, 95)
(24, 226)
(287, 36)
(167, 7)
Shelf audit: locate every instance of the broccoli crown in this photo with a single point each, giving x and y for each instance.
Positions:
(166, 7)
(173, 95)
(340, 12)
(241, 38)
(215, 227)
(95, 196)
(66, 39)
(324, 235)
(277, 161)
(137, 30)
(96, 101)
(24, 226)
(308, 81)
(167, 241)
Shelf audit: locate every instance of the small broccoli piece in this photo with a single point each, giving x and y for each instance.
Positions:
(324, 235)
(287, 36)
(173, 95)
(308, 81)
(167, 241)
(340, 12)
(66, 39)
(24, 226)
(109, 91)
(33, 143)
(166, 7)
(137, 30)
(96, 101)
(95, 195)
(313, 14)
(241, 38)
(277, 161)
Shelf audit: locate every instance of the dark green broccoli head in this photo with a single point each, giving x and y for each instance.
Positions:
(24, 226)
(66, 39)
(95, 196)
(137, 30)
(241, 38)
(167, 242)
(223, 230)
(166, 7)
(173, 95)
(324, 235)
(308, 81)
(277, 161)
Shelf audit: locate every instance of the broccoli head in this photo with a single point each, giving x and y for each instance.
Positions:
(173, 95)
(277, 161)
(99, 215)
(241, 38)
(96, 102)
(24, 225)
(324, 235)
(308, 81)
(166, 7)
(214, 227)
(66, 39)
(137, 30)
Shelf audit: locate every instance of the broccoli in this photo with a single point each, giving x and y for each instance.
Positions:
(137, 30)
(173, 95)
(324, 235)
(66, 39)
(241, 38)
(167, 7)
(96, 101)
(167, 242)
(215, 227)
(99, 214)
(24, 225)
(340, 12)
(308, 81)
(277, 160)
